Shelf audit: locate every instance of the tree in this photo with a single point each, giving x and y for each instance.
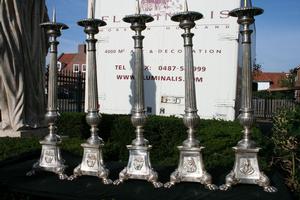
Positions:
(256, 69)
(290, 79)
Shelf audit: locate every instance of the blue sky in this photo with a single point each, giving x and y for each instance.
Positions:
(278, 34)
(69, 12)
(277, 31)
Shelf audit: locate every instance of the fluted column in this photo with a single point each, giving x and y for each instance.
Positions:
(138, 117)
(191, 118)
(52, 79)
(52, 109)
(93, 117)
(246, 116)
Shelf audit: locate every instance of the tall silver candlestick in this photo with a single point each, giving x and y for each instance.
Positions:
(139, 165)
(246, 169)
(191, 166)
(50, 159)
(92, 162)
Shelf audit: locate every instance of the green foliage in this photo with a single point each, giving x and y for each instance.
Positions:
(10, 147)
(164, 134)
(14, 146)
(274, 95)
(220, 136)
(73, 125)
(73, 145)
(290, 79)
(257, 68)
(286, 139)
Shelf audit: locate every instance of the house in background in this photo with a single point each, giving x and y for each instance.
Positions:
(273, 82)
(297, 84)
(73, 62)
(268, 80)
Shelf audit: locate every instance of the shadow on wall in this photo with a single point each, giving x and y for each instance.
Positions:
(149, 89)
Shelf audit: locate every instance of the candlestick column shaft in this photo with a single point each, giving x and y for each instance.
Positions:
(246, 116)
(93, 118)
(191, 118)
(52, 80)
(138, 117)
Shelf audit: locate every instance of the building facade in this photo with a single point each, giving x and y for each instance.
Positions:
(73, 62)
(268, 80)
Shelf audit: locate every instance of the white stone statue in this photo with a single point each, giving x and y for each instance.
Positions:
(23, 48)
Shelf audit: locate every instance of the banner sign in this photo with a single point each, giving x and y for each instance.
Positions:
(215, 56)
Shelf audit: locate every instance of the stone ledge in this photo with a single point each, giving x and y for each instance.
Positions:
(37, 132)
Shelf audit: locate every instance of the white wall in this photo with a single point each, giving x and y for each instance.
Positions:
(216, 58)
(263, 86)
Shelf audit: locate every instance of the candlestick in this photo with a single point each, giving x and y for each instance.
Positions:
(92, 161)
(246, 169)
(191, 165)
(50, 159)
(139, 165)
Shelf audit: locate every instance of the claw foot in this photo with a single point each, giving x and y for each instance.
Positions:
(71, 178)
(157, 184)
(106, 181)
(264, 182)
(169, 184)
(270, 189)
(122, 177)
(30, 173)
(62, 176)
(225, 187)
(211, 187)
(118, 181)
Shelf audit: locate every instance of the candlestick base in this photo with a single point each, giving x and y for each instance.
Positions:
(50, 160)
(92, 163)
(191, 169)
(246, 171)
(139, 166)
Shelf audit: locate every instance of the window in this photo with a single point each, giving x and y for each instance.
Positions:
(149, 110)
(75, 68)
(59, 66)
(83, 68)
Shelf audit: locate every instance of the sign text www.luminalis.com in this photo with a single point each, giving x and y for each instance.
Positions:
(157, 78)
(223, 14)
